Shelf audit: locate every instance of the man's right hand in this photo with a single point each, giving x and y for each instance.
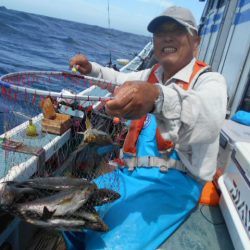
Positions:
(133, 100)
(81, 63)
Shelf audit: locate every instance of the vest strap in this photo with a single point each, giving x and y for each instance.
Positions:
(151, 161)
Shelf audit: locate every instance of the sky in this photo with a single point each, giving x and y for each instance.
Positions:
(127, 15)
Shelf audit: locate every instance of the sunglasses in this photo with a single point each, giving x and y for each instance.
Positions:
(170, 29)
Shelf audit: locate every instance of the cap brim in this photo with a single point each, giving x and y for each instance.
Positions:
(156, 22)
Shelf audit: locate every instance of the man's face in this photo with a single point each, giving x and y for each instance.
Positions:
(174, 46)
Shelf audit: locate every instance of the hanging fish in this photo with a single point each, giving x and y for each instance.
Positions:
(59, 223)
(54, 183)
(9, 193)
(102, 196)
(59, 204)
(91, 158)
(96, 137)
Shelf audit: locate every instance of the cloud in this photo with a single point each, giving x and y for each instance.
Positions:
(162, 3)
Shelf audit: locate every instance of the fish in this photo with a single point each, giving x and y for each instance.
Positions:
(88, 214)
(59, 204)
(96, 137)
(72, 224)
(59, 224)
(55, 183)
(87, 162)
(99, 226)
(102, 196)
(71, 205)
(9, 193)
(92, 160)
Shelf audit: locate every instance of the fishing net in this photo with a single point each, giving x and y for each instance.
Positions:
(59, 149)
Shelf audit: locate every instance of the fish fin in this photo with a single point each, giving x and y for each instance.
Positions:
(47, 214)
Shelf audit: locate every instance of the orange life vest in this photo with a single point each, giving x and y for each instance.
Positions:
(129, 146)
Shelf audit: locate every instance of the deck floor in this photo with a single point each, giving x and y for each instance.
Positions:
(205, 229)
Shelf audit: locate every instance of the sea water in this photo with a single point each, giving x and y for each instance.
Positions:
(33, 42)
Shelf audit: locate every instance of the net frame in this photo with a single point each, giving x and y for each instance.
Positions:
(9, 82)
(6, 81)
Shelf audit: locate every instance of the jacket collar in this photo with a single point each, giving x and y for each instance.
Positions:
(183, 75)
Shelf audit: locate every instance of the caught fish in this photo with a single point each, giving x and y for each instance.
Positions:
(88, 213)
(91, 158)
(69, 224)
(59, 223)
(89, 164)
(9, 193)
(58, 204)
(55, 183)
(70, 204)
(97, 137)
(99, 226)
(103, 196)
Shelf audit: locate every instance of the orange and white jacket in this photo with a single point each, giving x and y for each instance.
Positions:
(191, 118)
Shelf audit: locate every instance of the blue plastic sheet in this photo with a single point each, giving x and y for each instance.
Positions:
(242, 117)
(152, 206)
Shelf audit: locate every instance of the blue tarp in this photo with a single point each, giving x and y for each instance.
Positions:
(152, 206)
(242, 117)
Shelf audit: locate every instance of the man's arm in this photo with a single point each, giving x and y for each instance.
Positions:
(194, 116)
(84, 66)
(112, 75)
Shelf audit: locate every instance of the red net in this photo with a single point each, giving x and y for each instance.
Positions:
(59, 150)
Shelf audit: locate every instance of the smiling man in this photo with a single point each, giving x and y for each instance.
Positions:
(177, 109)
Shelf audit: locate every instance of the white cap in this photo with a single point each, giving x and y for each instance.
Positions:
(178, 14)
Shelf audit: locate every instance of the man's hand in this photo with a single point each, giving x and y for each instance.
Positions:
(81, 63)
(133, 100)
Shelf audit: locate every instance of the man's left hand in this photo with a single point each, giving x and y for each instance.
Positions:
(133, 100)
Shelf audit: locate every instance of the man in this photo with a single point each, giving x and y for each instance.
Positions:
(179, 105)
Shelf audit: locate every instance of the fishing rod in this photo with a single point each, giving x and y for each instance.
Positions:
(110, 64)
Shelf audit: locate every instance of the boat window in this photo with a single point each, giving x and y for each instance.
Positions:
(245, 104)
(216, 4)
(221, 3)
(212, 4)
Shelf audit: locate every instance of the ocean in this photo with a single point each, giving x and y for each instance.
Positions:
(33, 42)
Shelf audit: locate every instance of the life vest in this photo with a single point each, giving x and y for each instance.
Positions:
(136, 126)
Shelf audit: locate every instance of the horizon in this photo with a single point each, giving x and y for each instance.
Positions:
(112, 14)
(76, 22)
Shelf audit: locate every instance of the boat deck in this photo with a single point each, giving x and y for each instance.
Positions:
(204, 229)
(16, 165)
